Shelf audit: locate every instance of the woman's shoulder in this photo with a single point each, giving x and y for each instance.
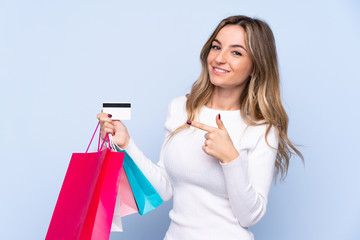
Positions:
(258, 133)
(177, 105)
(178, 101)
(176, 114)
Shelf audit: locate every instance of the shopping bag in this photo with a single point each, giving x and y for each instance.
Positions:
(145, 194)
(125, 203)
(99, 218)
(116, 225)
(85, 206)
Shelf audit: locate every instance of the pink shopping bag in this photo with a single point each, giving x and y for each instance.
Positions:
(127, 201)
(86, 202)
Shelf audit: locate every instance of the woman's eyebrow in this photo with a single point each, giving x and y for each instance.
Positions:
(235, 45)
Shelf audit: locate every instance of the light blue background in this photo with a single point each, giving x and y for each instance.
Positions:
(59, 60)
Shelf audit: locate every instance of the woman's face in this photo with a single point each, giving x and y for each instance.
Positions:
(229, 61)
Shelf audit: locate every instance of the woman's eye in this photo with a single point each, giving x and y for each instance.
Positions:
(215, 47)
(237, 53)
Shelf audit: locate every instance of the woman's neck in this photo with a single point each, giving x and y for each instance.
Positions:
(225, 99)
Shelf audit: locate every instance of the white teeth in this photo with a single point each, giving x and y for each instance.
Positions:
(219, 70)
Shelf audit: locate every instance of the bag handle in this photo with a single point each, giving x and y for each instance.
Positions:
(113, 144)
(106, 137)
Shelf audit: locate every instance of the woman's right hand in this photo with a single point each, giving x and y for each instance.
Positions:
(114, 127)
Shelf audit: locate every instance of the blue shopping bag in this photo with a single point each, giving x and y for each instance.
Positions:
(145, 195)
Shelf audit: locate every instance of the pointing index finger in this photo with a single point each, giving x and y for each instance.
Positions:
(201, 126)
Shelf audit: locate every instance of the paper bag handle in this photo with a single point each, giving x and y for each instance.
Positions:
(106, 137)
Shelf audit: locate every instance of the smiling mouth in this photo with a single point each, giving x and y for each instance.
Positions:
(220, 70)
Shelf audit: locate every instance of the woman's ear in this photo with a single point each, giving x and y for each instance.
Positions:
(252, 73)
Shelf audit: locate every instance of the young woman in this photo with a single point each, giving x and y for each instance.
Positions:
(224, 141)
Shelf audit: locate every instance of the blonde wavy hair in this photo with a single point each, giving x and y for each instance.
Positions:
(260, 101)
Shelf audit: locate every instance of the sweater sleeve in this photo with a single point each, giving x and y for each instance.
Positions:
(155, 173)
(248, 179)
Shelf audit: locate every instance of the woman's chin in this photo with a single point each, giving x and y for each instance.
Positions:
(220, 84)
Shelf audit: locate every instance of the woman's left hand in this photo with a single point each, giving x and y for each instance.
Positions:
(217, 141)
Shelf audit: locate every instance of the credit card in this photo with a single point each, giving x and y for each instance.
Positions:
(118, 110)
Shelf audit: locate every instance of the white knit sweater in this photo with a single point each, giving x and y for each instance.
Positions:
(211, 200)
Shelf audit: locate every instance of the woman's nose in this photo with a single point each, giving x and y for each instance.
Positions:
(220, 58)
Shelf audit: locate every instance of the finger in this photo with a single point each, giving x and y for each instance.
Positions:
(201, 126)
(108, 130)
(117, 122)
(109, 125)
(104, 119)
(103, 134)
(219, 122)
(206, 136)
(102, 115)
(204, 149)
